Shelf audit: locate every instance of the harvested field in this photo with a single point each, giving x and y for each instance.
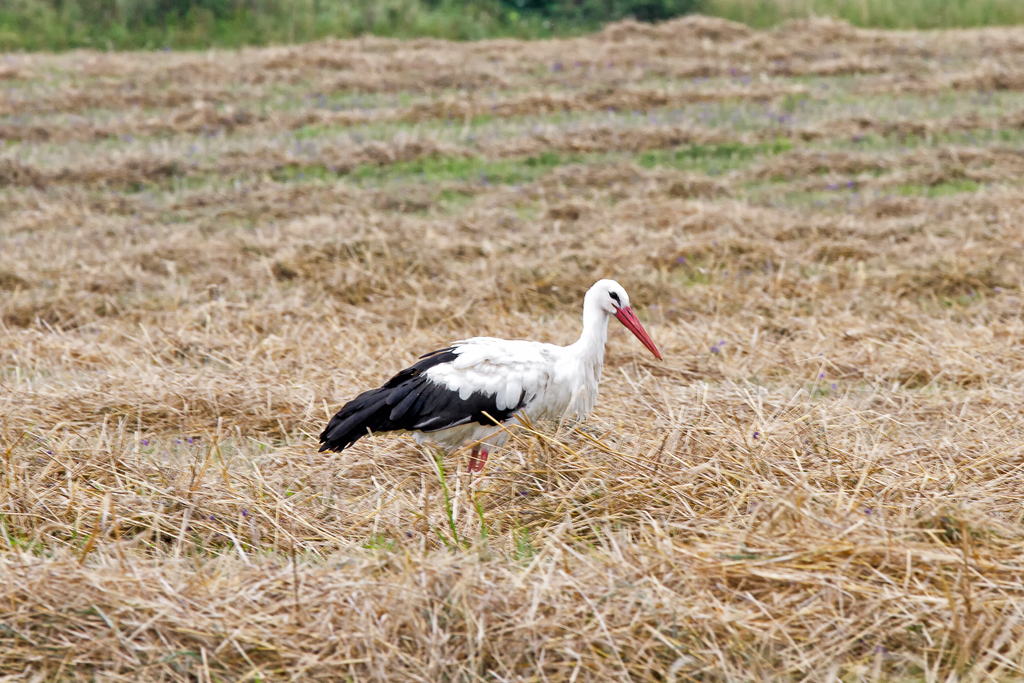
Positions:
(202, 256)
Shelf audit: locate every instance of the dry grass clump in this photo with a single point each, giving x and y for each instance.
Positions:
(820, 482)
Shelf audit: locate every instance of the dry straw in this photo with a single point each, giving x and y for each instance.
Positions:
(822, 480)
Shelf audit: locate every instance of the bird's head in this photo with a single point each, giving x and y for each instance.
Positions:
(610, 297)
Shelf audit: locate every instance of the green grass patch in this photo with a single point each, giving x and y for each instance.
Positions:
(524, 548)
(906, 14)
(519, 170)
(978, 137)
(478, 171)
(437, 168)
(713, 158)
(845, 198)
(380, 542)
(294, 173)
(938, 190)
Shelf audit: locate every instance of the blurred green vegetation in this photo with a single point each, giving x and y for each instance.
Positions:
(590, 13)
(897, 14)
(127, 24)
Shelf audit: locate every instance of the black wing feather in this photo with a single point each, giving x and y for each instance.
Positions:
(407, 402)
(410, 401)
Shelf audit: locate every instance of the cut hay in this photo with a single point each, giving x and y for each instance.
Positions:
(203, 255)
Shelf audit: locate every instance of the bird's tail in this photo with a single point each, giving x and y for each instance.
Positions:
(394, 406)
(365, 414)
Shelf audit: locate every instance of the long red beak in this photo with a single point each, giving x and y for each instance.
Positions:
(627, 317)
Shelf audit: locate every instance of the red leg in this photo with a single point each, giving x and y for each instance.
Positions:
(477, 459)
(483, 459)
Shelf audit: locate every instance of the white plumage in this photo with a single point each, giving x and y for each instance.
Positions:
(457, 396)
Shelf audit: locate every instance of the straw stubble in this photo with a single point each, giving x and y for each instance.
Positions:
(821, 480)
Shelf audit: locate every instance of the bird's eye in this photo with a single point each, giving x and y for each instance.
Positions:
(615, 298)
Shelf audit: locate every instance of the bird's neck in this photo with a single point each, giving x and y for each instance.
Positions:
(590, 346)
(587, 359)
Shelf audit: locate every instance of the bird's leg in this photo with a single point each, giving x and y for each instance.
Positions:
(477, 459)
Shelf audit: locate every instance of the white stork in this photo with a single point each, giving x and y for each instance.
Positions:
(457, 395)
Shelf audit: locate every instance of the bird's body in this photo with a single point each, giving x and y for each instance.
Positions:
(459, 395)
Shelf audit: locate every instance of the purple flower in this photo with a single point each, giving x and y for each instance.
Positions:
(557, 66)
(757, 435)
(821, 376)
(145, 442)
(833, 386)
(245, 513)
(682, 259)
